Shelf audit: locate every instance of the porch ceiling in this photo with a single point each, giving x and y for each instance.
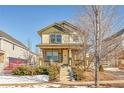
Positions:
(62, 46)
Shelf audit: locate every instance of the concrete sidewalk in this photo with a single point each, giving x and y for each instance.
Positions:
(91, 82)
(61, 84)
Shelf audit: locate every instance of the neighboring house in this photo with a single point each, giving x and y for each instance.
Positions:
(13, 51)
(113, 49)
(60, 43)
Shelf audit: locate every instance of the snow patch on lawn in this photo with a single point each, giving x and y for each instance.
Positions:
(112, 69)
(24, 79)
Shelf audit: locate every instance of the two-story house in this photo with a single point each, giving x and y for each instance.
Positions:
(13, 51)
(61, 43)
(113, 48)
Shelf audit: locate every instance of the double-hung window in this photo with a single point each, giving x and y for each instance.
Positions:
(52, 56)
(55, 38)
(13, 47)
(75, 38)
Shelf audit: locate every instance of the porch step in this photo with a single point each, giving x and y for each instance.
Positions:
(64, 74)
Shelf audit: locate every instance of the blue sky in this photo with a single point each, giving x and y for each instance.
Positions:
(23, 22)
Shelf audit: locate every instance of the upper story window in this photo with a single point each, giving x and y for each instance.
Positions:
(13, 47)
(75, 38)
(55, 38)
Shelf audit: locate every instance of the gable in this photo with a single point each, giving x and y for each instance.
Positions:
(62, 27)
(68, 25)
(53, 30)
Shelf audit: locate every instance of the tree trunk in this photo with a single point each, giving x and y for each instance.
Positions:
(97, 48)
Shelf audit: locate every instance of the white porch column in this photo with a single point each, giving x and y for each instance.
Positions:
(70, 57)
(41, 58)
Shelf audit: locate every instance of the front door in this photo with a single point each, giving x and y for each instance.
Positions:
(65, 56)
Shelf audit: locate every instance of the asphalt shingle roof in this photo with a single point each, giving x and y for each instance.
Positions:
(115, 35)
(7, 36)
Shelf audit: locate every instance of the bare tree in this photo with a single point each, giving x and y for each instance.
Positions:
(28, 53)
(29, 44)
(99, 22)
(37, 51)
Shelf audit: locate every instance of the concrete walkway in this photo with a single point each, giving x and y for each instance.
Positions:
(64, 74)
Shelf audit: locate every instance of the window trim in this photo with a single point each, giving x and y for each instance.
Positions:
(13, 47)
(56, 37)
(75, 38)
(46, 59)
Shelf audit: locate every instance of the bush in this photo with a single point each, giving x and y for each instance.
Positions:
(22, 70)
(101, 69)
(120, 65)
(53, 71)
(41, 70)
(78, 73)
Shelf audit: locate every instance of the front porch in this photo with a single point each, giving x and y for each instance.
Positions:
(59, 54)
